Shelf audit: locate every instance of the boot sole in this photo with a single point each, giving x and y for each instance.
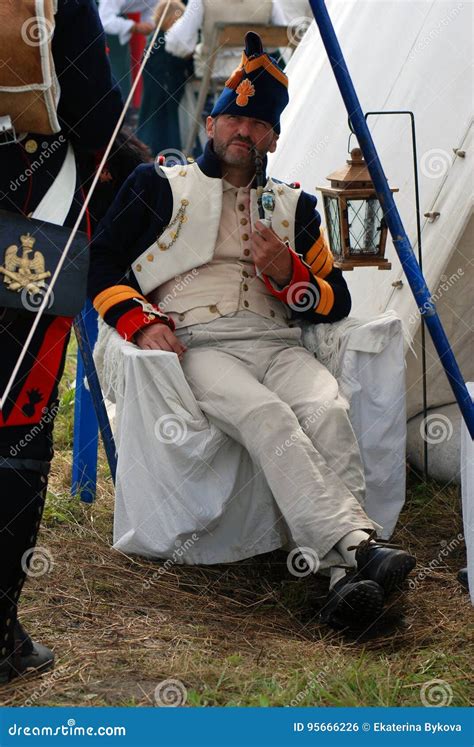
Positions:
(394, 577)
(357, 609)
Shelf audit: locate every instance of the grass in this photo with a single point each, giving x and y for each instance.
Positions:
(245, 634)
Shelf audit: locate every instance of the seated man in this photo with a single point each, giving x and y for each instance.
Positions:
(231, 326)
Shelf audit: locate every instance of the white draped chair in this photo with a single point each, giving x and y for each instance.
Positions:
(183, 483)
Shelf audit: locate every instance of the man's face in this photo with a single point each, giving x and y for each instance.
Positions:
(234, 137)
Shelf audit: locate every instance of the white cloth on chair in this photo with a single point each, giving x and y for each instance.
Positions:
(367, 359)
(156, 496)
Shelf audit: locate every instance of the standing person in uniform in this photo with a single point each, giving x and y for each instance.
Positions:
(119, 30)
(164, 78)
(38, 178)
(230, 327)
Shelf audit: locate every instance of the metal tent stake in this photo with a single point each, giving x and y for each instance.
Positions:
(400, 239)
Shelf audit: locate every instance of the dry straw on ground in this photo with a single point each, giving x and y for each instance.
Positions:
(245, 633)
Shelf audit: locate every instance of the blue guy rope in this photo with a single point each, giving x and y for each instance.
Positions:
(400, 239)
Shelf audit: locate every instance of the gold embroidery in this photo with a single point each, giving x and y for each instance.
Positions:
(24, 271)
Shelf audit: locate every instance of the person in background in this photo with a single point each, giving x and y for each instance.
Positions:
(119, 30)
(34, 166)
(295, 11)
(201, 15)
(164, 78)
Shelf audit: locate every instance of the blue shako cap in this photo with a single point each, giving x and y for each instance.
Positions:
(258, 88)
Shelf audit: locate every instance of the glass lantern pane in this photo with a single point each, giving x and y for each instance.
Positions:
(331, 205)
(365, 223)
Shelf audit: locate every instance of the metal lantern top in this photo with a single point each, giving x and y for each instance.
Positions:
(355, 175)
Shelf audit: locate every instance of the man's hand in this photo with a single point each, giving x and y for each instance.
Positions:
(143, 28)
(159, 337)
(271, 255)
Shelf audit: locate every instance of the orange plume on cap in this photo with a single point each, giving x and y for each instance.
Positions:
(235, 78)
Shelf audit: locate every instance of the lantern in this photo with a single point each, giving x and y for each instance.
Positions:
(355, 223)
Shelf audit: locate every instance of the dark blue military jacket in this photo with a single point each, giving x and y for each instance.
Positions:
(139, 214)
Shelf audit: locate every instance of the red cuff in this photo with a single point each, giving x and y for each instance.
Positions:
(135, 319)
(301, 274)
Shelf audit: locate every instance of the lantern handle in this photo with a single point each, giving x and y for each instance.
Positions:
(349, 140)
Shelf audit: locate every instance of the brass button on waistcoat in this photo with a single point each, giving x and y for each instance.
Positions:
(181, 317)
(213, 308)
(138, 268)
(246, 303)
(285, 223)
(272, 313)
(246, 252)
(240, 206)
(245, 273)
(243, 221)
(245, 237)
(150, 257)
(245, 287)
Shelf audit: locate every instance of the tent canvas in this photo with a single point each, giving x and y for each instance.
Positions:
(401, 55)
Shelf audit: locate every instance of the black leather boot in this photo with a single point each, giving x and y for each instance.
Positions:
(383, 563)
(463, 578)
(27, 656)
(20, 517)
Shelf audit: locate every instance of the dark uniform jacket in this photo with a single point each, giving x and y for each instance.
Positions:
(140, 213)
(88, 110)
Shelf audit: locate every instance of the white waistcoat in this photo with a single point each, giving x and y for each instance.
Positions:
(189, 239)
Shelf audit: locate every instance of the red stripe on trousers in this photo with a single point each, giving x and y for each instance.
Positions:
(44, 372)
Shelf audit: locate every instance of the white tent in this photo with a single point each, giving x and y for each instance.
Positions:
(413, 56)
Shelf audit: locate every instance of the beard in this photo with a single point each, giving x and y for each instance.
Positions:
(245, 159)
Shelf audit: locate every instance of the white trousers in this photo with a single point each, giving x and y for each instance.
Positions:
(254, 379)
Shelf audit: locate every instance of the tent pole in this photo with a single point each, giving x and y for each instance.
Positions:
(400, 239)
